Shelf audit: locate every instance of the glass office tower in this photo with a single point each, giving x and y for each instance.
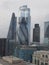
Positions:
(11, 37)
(46, 32)
(24, 25)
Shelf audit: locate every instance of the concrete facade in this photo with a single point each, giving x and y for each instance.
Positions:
(41, 58)
(2, 46)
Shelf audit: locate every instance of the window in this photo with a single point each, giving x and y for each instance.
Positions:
(42, 63)
(42, 55)
(46, 63)
(35, 61)
(46, 56)
(38, 62)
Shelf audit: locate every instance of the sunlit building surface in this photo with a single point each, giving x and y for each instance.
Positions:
(41, 57)
(24, 26)
(11, 37)
(11, 60)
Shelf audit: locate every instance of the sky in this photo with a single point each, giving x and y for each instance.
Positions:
(39, 11)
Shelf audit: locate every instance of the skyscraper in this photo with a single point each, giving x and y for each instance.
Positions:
(24, 25)
(11, 37)
(46, 32)
(36, 33)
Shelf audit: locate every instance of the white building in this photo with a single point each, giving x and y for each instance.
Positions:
(41, 58)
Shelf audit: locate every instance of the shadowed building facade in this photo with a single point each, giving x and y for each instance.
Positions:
(36, 33)
(11, 37)
(46, 32)
(2, 46)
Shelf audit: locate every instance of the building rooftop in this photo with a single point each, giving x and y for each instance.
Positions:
(4, 61)
(41, 52)
(24, 7)
(26, 47)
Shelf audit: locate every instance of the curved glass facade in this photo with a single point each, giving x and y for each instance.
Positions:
(24, 25)
(24, 11)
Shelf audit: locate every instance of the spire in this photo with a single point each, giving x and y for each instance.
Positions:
(13, 16)
(11, 37)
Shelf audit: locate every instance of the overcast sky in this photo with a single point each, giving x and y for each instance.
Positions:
(39, 13)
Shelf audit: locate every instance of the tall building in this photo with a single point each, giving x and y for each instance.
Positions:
(36, 33)
(24, 25)
(46, 32)
(2, 46)
(11, 37)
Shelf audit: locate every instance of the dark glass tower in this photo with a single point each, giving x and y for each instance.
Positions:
(11, 37)
(46, 29)
(46, 33)
(36, 33)
(24, 26)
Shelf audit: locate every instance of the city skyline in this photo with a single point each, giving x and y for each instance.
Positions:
(39, 13)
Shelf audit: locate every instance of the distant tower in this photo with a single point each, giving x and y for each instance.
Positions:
(24, 25)
(36, 33)
(11, 37)
(46, 32)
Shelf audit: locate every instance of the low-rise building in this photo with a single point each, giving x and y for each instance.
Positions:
(11, 60)
(41, 58)
(25, 52)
